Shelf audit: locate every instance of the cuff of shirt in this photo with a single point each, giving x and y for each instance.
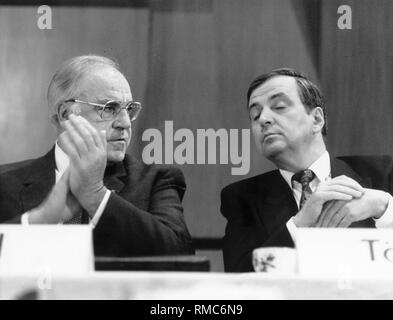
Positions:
(386, 220)
(292, 229)
(24, 219)
(100, 209)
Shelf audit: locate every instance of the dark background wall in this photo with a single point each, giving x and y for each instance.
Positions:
(357, 77)
(191, 62)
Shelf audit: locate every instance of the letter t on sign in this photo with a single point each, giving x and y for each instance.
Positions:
(371, 246)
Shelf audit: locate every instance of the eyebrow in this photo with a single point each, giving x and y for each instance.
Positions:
(271, 98)
(278, 95)
(105, 100)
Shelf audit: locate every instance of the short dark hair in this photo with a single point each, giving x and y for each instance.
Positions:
(309, 93)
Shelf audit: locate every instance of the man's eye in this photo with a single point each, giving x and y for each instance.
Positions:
(254, 115)
(109, 108)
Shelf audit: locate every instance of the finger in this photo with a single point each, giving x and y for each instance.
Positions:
(325, 210)
(345, 181)
(68, 146)
(334, 215)
(103, 138)
(341, 189)
(329, 215)
(85, 130)
(335, 221)
(75, 139)
(327, 199)
(319, 221)
(334, 195)
(345, 222)
(91, 130)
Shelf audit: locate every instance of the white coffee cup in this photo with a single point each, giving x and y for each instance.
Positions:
(280, 260)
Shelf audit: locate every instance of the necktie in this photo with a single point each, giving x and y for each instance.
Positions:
(110, 181)
(77, 219)
(304, 177)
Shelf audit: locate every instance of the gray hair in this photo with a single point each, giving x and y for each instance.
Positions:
(65, 82)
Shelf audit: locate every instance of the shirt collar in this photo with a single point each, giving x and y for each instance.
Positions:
(321, 168)
(62, 160)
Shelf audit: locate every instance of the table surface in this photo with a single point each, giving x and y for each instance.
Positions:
(191, 285)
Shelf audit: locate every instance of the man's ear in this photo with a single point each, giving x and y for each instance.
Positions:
(62, 113)
(318, 119)
(54, 119)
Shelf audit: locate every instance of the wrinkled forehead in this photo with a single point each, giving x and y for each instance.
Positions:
(275, 86)
(104, 83)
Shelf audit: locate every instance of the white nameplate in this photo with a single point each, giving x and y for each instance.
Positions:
(55, 249)
(345, 252)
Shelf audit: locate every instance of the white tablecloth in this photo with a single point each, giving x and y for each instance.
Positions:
(187, 285)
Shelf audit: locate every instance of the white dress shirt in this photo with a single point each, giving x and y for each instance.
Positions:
(62, 162)
(322, 169)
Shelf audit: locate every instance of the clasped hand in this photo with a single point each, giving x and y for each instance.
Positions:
(339, 202)
(81, 186)
(86, 148)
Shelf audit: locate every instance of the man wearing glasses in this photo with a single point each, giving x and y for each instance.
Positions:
(87, 177)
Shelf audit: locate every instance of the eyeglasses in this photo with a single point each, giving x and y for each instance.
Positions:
(111, 109)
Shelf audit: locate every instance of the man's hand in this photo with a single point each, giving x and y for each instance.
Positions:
(341, 188)
(59, 206)
(86, 148)
(341, 214)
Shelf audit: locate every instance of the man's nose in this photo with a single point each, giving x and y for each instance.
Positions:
(122, 120)
(265, 117)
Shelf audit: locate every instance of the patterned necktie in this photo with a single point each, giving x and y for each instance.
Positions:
(77, 219)
(110, 181)
(304, 177)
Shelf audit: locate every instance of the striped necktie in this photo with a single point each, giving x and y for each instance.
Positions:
(77, 219)
(304, 177)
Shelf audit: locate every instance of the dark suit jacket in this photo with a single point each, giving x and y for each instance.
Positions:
(143, 216)
(257, 209)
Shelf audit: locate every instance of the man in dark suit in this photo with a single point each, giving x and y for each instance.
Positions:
(87, 177)
(311, 188)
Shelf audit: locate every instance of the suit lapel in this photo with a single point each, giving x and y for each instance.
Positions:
(115, 175)
(39, 181)
(339, 167)
(275, 202)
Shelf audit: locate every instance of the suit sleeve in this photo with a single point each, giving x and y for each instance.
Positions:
(244, 232)
(10, 208)
(126, 230)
